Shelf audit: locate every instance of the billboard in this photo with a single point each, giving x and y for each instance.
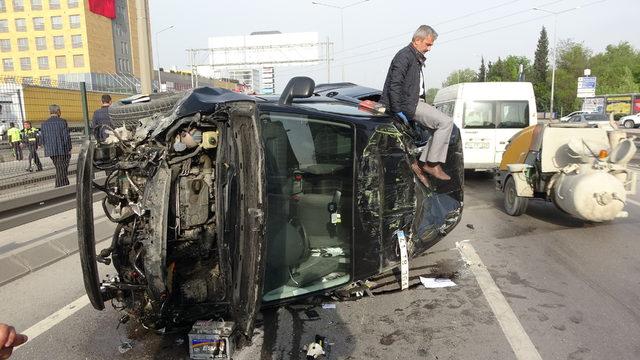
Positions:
(619, 104)
(595, 104)
(266, 48)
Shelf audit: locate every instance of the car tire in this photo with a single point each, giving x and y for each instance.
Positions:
(629, 124)
(514, 205)
(129, 114)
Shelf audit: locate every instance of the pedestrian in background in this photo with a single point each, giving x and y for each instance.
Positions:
(14, 139)
(101, 119)
(31, 139)
(57, 144)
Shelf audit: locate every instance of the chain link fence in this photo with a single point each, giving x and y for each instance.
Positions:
(29, 100)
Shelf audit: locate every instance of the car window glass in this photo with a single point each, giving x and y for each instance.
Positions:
(478, 115)
(513, 114)
(309, 168)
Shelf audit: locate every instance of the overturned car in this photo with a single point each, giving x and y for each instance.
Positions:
(228, 202)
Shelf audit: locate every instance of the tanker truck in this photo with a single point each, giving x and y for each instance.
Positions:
(581, 169)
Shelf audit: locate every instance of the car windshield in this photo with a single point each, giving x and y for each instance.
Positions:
(496, 114)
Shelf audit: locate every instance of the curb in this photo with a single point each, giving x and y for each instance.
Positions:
(37, 257)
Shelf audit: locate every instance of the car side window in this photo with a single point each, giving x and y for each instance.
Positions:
(309, 168)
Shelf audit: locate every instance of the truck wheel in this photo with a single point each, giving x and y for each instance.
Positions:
(129, 114)
(629, 124)
(514, 205)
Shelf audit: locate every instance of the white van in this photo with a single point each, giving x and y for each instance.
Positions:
(488, 115)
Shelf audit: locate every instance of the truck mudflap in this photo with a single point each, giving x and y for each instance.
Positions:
(84, 216)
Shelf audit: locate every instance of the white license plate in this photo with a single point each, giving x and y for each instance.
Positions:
(476, 145)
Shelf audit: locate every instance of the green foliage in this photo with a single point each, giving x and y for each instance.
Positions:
(431, 95)
(539, 72)
(482, 71)
(460, 76)
(617, 70)
(508, 69)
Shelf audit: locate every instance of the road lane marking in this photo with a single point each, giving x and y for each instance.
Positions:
(511, 327)
(57, 317)
(633, 202)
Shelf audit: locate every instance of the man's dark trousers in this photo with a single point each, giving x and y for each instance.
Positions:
(61, 162)
(33, 155)
(17, 150)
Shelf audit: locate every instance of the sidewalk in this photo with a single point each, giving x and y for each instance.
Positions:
(29, 247)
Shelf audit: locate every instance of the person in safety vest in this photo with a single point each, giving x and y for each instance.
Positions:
(31, 139)
(14, 139)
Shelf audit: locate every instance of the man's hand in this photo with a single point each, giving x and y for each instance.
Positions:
(404, 118)
(8, 340)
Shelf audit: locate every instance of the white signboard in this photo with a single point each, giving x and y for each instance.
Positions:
(586, 86)
(593, 105)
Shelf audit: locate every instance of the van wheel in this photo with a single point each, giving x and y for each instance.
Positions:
(629, 124)
(514, 205)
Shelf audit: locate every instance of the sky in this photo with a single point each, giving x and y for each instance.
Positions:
(376, 29)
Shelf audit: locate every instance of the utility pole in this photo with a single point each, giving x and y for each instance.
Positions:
(144, 45)
(158, 56)
(341, 8)
(328, 61)
(555, 50)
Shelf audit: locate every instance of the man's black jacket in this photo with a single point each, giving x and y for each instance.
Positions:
(402, 87)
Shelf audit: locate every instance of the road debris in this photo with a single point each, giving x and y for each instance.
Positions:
(434, 283)
(328, 306)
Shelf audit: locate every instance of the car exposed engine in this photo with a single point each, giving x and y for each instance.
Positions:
(142, 168)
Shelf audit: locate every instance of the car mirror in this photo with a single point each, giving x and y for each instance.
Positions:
(298, 87)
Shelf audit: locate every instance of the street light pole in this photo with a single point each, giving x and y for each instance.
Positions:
(158, 55)
(555, 49)
(341, 8)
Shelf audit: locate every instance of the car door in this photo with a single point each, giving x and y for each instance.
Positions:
(309, 173)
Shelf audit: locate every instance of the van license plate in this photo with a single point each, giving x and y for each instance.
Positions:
(476, 145)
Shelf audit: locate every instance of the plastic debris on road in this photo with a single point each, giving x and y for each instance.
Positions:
(125, 345)
(434, 283)
(328, 306)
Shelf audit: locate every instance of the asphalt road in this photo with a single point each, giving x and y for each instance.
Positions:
(565, 290)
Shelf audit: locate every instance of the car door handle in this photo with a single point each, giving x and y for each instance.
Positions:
(502, 142)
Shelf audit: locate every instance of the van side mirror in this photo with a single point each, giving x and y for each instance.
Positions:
(298, 87)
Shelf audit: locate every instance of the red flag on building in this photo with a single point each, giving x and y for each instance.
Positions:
(106, 8)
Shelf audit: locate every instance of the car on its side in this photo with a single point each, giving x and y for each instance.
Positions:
(630, 121)
(229, 202)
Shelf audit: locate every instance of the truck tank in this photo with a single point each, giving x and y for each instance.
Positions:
(590, 195)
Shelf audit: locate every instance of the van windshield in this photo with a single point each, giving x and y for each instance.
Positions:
(496, 114)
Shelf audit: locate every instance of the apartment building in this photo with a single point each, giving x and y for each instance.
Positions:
(67, 40)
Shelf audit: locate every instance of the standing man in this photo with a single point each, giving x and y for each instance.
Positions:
(100, 118)
(404, 92)
(14, 139)
(57, 144)
(31, 139)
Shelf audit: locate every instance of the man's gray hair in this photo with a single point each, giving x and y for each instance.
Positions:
(423, 32)
(53, 109)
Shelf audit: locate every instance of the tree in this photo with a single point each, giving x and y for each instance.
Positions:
(431, 95)
(508, 69)
(460, 76)
(573, 58)
(540, 70)
(482, 72)
(617, 69)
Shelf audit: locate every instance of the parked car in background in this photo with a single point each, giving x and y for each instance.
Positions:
(630, 121)
(593, 119)
(569, 115)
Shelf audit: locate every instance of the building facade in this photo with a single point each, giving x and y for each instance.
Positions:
(48, 41)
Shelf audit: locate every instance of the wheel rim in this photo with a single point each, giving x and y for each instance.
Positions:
(628, 124)
(510, 196)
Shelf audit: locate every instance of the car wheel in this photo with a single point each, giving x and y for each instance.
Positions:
(629, 124)
(129, 114)
(514, 205)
